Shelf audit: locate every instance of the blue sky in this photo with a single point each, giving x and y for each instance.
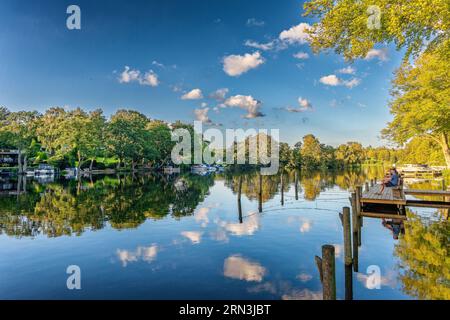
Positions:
(172, 48)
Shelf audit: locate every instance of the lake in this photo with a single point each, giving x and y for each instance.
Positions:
(185, 237)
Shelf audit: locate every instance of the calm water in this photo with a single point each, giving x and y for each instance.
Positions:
(182, 237)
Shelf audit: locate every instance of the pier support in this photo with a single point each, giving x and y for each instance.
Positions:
(260, 194)
(239, 199)
(347, 236)
(327, 270)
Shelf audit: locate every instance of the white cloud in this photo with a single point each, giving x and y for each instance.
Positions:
(301, 55)
(261, 46)
(237, 267)
(347, 70)
(219, 94)
(304, 105)
(252, 22)
(330, 80)
(297, 34)
(380, 54)
(194, 94)
(150, 79)
(333, 80)
(202, 115)
(129, 75)
(235, 65)
(247, 103)
(351, 83)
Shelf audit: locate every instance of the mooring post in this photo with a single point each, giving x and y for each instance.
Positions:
(348, 283)
(358, 205)
(328, 272)
(260, 194)
(356, 231)
(282, 189)
(239, 199)
(347, 236)
(296, 185)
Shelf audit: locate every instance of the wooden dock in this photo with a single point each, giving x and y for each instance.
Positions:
(392, 202)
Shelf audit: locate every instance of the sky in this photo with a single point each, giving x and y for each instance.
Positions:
(231, 64)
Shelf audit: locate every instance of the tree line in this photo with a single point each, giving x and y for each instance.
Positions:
(128, 138)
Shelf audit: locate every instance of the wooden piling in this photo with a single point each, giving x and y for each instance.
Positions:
(282, 189)
(358, 205)
(239, 199)
(347, 236)
(296, 185)
(355, 233)
(371, 183)
(329, 272)
(348, 283)
(260, 194)
(367, 187)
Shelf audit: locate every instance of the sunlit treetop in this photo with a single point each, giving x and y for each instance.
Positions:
(347, 26)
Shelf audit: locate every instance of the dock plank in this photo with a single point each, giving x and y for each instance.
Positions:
(388, 197)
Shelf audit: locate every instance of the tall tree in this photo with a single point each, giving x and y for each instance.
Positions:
(127, 137)
(421, 100)
(311, 151)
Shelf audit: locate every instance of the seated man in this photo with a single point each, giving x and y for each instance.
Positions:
(391, 181)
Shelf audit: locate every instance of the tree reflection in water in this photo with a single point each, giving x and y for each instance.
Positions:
(424, 257)
(68, 208)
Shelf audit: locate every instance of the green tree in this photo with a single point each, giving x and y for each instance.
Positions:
(344, 25)
(127, 136)
(421, 101)
(18, 130)
(160, 142)
(311, 151)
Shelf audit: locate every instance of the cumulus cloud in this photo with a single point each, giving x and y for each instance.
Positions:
(129, 75)
(235, 65)
(202, 115)
(301, 55)
(219, 94)
(333, 80)
(150, 79)
(380, 54)
(330, 80)
(304, 105)
(247, 103)
(347, 70)
(297, 34)
(194, 94)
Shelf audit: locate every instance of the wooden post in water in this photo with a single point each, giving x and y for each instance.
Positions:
(371, 183)
(328, 272)
(239, 199)
(358, 205)
(282, 189)
(347, 236)
(356, 232)
(348, 283)
(260, 194)
(296, 185)
(367, 187)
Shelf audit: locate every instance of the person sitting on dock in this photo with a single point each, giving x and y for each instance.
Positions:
(390, 181)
